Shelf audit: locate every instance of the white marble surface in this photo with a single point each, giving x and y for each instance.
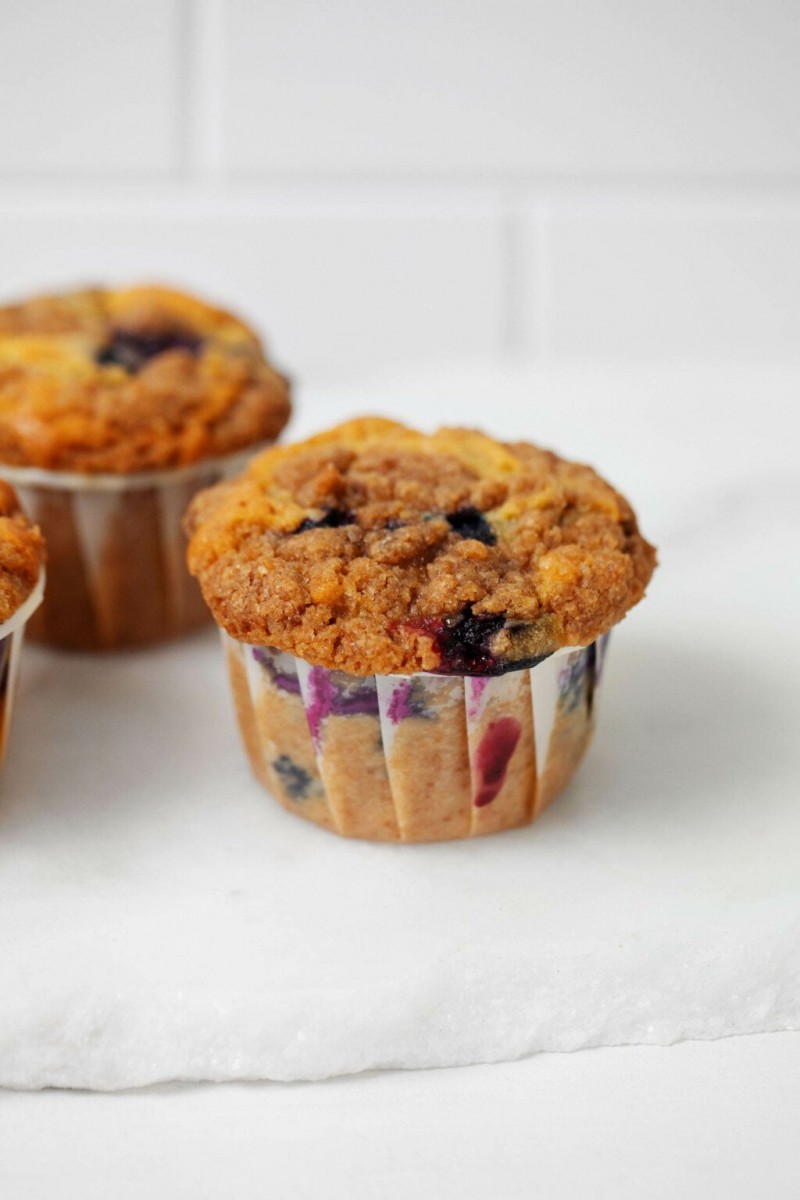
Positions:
(163, 920)
(694, 1121)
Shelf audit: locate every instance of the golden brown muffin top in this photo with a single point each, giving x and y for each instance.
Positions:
(133, 380)
(21, 554)
(373, 548)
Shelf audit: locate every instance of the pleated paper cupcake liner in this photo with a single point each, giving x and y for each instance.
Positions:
(12, 634)
(415, 758)
(116, 552)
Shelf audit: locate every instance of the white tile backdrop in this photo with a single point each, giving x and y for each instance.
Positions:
(381, 184)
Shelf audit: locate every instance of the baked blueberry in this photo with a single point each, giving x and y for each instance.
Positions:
(465, 641)
(131, 350)
(296, 781)
(471, 523)
(334, 518)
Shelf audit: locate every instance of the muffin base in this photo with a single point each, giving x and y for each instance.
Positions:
(417, 758)
(116, 553)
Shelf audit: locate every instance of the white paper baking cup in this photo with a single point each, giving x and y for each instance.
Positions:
(12, 633)
(116, 551)
(415, 758)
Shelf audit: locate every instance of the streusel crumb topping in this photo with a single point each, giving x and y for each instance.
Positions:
(374, 548)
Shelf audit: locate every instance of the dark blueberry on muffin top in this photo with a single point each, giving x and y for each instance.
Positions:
(471, 523)
(131, 349)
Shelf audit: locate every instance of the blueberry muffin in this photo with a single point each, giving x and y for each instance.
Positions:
(414, 622)
(115, 406)
(21, 584)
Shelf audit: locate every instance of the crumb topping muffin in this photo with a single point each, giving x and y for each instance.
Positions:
(372, 548)
(21, 554)
(132, 380)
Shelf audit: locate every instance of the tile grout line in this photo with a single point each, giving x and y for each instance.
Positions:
(203, 158)
(540, 287)
(511, 329)
(182, 12)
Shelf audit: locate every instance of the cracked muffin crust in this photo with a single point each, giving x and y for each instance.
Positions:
(21, 554)
(132, 380)
(372, 548)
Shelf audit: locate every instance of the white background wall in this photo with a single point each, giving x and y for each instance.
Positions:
(380, 184)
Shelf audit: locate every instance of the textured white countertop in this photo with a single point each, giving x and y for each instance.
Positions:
(676, 850)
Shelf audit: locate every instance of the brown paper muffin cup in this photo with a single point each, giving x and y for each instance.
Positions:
(12, 633)
(116, 552)
(414, 758)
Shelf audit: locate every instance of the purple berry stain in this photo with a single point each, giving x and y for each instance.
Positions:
(331, 693)
(475, 689)
(399, 707)
(322, 695)
(409, 698)
(577, 680)
(282, 680)
(493, 756)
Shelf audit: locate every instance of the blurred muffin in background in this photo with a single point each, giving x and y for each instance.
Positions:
(115, 408)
